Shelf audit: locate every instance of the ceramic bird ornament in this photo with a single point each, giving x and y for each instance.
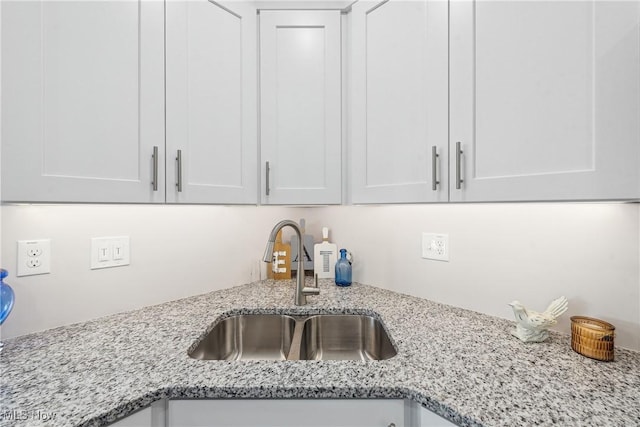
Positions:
(532, 326)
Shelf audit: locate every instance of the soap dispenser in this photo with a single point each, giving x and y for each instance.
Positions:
(343, 270)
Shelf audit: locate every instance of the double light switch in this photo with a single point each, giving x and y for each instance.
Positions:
(109, 252)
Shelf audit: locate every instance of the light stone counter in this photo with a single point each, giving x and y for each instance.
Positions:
(463, 365)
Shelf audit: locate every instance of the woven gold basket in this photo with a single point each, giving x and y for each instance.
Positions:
(592, 337)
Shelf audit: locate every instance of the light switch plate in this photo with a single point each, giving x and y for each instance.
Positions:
(435, 246)
(109, 252)
(34, 257)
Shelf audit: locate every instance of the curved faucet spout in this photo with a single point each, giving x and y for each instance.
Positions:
(301, 291)
(268, 253)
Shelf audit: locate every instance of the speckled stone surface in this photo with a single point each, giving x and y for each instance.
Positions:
(460, 364)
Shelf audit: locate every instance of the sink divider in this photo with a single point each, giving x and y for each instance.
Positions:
(296, 339)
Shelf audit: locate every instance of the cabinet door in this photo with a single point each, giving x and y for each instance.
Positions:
(152, 416)
(211, 102)
(431, 419)
(286, 412)
(399, 97)
(300, 111)
(142, 418)
(417, 415)
(82, 101)
(544, 100)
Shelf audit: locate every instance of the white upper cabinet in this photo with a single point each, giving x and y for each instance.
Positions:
(300, 112)
(398, 101)
(211, 102)
(82, 101)
(460, 100)
(544, 100)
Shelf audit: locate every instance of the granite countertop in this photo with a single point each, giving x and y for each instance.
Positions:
(463, 365)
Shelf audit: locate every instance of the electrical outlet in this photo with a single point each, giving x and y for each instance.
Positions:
(34, 257)
(109, 252)
(35, 251)
(435, 246)
(34, 262)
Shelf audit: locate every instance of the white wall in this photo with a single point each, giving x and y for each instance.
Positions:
(502, 252)
(176, 251)
(499, 252)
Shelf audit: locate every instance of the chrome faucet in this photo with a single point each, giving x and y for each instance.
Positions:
(301, 290)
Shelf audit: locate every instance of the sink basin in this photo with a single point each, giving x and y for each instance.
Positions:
(248, 337)
(282, 337)
(345, 337)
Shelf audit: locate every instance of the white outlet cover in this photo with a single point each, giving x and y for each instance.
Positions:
(34, 257)
(435, 246)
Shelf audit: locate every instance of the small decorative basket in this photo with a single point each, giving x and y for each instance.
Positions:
(592, 337)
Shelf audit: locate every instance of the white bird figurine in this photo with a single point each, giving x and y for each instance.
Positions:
(532, 326)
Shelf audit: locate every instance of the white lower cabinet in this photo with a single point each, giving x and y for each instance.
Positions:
(151, 416)
(300, 412)
(283, 412)
(139, 419)
(426, 418)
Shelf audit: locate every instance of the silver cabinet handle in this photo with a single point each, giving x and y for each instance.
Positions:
(434, 168)
(459, 153)
(179, 178)
(154, 179)
(267, 171)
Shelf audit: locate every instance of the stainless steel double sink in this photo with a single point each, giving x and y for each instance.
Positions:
(283, 337)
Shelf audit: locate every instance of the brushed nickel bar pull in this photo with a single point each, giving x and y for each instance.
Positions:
(459, 153)
(267, 172)
(154, 179)
(434, 168)
(179, 180)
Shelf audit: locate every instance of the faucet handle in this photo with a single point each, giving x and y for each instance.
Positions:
(310, 291)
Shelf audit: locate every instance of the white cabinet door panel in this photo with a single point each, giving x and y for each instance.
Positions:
(399, 96)
(83, 100)
(300, 114)
(431, 419)
(211, 102)
(142, 418)
(545, 100)
(152, 416)
(286, 412)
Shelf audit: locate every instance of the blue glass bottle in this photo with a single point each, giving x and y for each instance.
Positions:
(6, 296)
(343, 270)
